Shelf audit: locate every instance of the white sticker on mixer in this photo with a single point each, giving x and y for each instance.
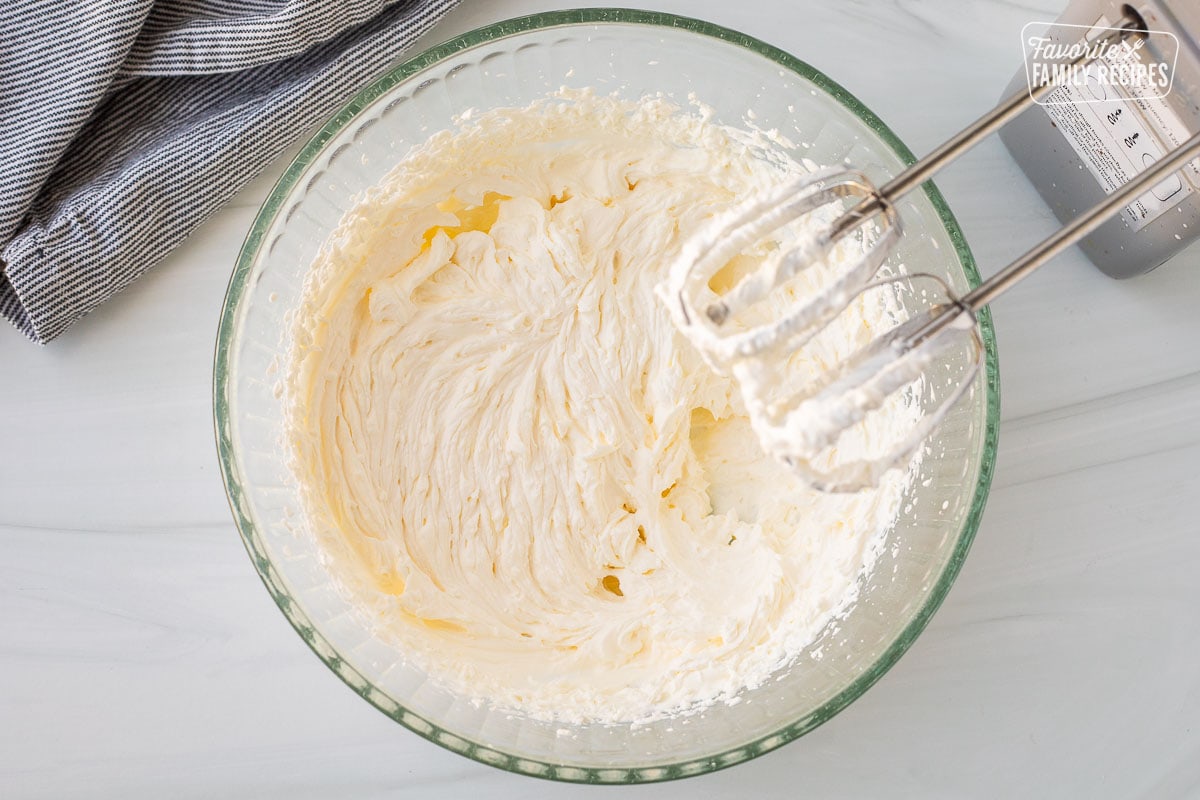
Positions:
(1118, 132)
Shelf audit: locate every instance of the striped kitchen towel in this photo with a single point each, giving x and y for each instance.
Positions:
(124, 124)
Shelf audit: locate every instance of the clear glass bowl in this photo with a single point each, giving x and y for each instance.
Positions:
(510, 64)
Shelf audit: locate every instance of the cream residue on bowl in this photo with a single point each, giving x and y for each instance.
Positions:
(521, 474)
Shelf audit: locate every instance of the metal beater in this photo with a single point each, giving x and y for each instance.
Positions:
(802, 427)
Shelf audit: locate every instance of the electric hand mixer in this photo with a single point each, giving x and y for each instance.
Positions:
(800, 426)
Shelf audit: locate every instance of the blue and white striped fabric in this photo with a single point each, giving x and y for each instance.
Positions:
(126, 123)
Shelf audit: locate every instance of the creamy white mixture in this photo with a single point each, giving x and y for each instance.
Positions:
(524, 476)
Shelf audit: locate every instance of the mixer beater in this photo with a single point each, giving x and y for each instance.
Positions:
(802, 426)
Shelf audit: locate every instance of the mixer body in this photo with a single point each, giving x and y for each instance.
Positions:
(1076, 153)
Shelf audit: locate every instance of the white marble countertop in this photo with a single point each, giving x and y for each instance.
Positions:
(141, 657)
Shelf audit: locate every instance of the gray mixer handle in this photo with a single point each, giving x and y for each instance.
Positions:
(1069, 234)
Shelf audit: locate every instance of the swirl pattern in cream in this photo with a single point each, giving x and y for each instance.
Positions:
(521, 472)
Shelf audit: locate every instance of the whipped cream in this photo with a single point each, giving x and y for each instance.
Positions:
(522, 474)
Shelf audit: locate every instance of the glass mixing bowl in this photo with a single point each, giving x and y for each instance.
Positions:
(510, 64)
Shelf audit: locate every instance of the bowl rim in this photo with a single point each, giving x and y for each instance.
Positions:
(232, 477)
